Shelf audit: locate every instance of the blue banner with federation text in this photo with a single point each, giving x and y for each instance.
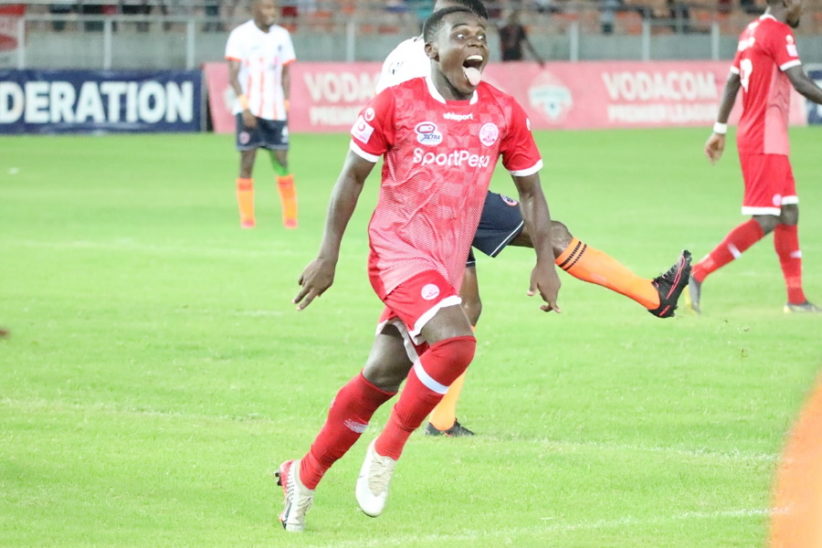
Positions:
(814, 110)
(92, 101)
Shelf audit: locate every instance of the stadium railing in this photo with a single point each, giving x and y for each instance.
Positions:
(161, 34)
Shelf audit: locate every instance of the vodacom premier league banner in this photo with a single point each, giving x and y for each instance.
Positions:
(326, 97)
(61, 101)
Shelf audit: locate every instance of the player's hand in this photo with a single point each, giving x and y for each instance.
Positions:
(249, 120)
(315, 279)
(544, 280)
(714, 147)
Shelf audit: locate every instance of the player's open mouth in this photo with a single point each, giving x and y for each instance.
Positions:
(471, 67)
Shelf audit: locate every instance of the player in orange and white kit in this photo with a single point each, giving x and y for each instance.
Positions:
(766, 65)
(259, 54)
(502, 225)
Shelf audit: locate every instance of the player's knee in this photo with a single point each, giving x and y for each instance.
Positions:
(767, 222)
(560, 237)
(457, 352)
(386, 374)
(789, 214)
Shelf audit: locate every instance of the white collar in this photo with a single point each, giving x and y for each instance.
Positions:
(768, 16)
(432, 89)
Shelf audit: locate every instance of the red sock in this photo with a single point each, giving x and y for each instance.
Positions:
(735, 243)
(427, 382)
(786, 244)
(347, 419)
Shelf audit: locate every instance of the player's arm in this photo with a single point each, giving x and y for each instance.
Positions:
(234, 80)
(537, 218)
(803, 84)
(715, 144)
(286, 80)
(319, 274)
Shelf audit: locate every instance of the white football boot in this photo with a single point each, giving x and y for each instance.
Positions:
(298, 497)
(373, 482)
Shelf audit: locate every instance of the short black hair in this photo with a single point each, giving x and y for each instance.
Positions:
(433, 24)
(474, 5)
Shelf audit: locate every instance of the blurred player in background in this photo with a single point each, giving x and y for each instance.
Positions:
(766, 66)
(501, 225)
(441, 137)
(259, 54)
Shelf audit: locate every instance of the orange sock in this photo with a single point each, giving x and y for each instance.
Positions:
(288, 198)
(592, 265)
(245, 199)
(444, 414)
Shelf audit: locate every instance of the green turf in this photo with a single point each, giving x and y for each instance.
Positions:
(157, 372)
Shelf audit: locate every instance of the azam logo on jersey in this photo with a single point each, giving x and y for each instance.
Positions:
(428, 134)
(362, 130)
(791, 47)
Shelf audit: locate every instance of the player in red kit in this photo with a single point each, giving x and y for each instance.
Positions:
(765, 67)
(440, 137)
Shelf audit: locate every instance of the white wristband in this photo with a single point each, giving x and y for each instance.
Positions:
(720, 129)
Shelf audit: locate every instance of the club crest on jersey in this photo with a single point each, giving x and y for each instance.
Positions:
(428, 134)
(488, 134)
(429, 292)
(362, 130)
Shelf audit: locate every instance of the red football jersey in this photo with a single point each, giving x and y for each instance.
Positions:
(439, 158)
(766, 49)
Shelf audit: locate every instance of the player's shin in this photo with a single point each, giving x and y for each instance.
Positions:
(786, 244)
(348, 418)
(594, 266)
(427, 382)
(245, 201)
(288, 199)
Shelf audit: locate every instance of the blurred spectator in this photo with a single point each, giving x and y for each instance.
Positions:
(680, 16)
(62, 8)
(136, 7)
(607, 15)
(513, 38)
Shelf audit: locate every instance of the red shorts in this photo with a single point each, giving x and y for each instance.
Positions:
(769, 183)
(415, 301)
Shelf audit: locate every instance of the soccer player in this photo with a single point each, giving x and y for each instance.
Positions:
(501, 225)
(441, 137)
(766, 65)
(259, 54)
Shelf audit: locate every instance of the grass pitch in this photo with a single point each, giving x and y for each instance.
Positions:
(157, 373)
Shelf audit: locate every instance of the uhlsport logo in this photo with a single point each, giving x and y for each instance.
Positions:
(430, 292)
(458, 117)
(488, 134)
(428, 134)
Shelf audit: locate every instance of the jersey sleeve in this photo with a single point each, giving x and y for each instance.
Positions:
(373, 132)
(519, 152)
(234, 50)
(782, 47)
(735, 69)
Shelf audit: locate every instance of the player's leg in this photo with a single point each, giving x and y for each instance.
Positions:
(443, 419)
(348, 416)
(245, 188)
(451, 344)
(285, 180)
(786, 244)
(582, 261)
(758, 171)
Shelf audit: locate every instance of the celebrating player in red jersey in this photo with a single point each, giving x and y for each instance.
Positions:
(766, 66)
(441, 137)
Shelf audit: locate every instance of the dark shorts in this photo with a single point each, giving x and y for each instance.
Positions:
(270, 134)
(501, 222)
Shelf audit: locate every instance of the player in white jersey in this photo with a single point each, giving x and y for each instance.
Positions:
(501, 224)
(259, 54)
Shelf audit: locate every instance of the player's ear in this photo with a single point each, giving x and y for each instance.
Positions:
(431, 51)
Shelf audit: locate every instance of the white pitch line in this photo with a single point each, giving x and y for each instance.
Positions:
(484, 535)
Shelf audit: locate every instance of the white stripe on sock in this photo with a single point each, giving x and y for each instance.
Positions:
(734, 251)
(427, 380)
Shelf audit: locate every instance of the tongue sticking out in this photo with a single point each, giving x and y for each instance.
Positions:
(473, 75)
